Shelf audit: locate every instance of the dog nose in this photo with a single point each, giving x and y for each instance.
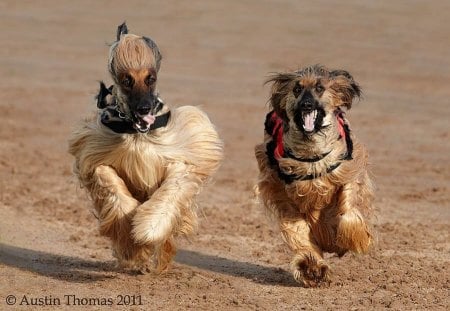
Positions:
(143, 110)
(308, 105)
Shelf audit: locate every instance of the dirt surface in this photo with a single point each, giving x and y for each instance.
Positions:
(217, 55)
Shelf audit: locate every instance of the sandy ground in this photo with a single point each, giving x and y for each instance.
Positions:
(217, 55)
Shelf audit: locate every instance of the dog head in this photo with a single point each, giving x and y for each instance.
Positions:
(307, 100)
(134, 63)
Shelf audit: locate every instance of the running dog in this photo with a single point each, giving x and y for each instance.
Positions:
(141, 162)
(313, 173)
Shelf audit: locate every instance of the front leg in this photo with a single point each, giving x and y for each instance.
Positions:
(115, 207)
(308, 266)
(113, 201)
(168, 212)
(352, 231)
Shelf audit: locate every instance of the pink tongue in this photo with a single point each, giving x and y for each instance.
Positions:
(308, 121)
(150, 119)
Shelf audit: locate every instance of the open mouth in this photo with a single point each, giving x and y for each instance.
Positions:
(144, 116)
(143, 122)
(309, 120)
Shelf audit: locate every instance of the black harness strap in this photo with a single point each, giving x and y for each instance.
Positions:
(122, 126)
(289, 178)
(289, 153)
(117, 121)
(160, 121)
(349, 142)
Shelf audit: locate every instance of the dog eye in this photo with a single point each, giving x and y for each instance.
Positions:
(319, 88)
(149, 80)
(127, 81)
(297, 90)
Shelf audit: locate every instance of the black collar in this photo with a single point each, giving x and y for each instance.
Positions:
(288, 153)
(289, 178)
(111, 119)
(116, 120)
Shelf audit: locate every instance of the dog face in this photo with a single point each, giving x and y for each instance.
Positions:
(308, 99)
(134, 64)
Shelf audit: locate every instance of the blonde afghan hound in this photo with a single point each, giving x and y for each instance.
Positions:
(142, 163)
(313, 173)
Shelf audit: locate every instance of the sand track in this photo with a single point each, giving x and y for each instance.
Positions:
(217, 55)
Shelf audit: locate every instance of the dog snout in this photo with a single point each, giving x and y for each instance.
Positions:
(143, 110)
(307, 105)
(307, 102)
(144, 104)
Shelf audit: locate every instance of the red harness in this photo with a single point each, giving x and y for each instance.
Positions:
(277, 135)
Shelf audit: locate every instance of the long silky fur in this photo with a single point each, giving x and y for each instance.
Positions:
(151, 180)
(328, 213)
(144, 186)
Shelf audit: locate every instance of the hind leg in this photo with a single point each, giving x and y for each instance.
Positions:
(115, 207)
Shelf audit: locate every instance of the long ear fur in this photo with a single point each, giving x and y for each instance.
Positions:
(122, 29)
(101, 96)
(346, 86)
(156, 52)
(280, 82)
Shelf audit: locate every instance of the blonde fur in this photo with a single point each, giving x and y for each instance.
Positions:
(144, 185)
(326, 213)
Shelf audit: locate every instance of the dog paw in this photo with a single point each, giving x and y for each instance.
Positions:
(134, 268)
(151, 227)
(309, 271)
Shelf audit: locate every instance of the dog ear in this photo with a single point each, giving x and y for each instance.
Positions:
(122, 29)
(280, 88)
(345, 86)
(101, 96)
(158, 57)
